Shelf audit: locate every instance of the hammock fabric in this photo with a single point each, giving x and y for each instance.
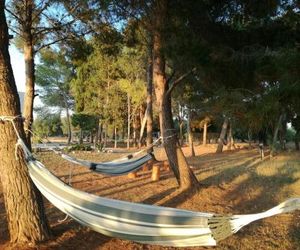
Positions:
(142, 223)
(117, 167)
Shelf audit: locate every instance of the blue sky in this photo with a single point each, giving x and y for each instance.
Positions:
(17, 62)
(18, 65)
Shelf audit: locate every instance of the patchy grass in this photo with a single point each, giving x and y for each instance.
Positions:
(236, 182)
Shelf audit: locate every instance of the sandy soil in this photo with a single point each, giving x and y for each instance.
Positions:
(234, 182)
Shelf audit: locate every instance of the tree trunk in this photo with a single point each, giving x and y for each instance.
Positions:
(143, 119)
(96, 135)
(222, 136)
(81, 137)
(275, 135)
(100, 132)
(229, 137)
(28, 48)
(283, 133)
(92, 136)
(116, 139)
(149, 109)
(204, 134)
(190, 134)
(128, 121)
(184, 175)
(25, 216)
(249, 138)
(297, 135)
(69, 126)
(181, 132)
(105, 135)
(135, 130)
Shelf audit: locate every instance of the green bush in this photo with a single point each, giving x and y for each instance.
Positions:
(290, 134)
(79, 147)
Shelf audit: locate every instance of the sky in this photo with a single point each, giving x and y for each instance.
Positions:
(17, 62)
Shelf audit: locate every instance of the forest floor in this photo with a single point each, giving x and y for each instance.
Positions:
(234, 182)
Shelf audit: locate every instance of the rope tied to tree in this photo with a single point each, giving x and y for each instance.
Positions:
(20, 142)
(167, 137)
(12, 119)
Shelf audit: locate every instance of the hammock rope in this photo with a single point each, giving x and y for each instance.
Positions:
(138, 222)
(116, 167)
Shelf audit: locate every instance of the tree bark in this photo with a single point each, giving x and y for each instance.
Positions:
(283, 133)
(105, 135)
(190, 134)
(81, 137)
(116, 139)
(229, 137)
(135, 129)
(184, 175)
(181, 132)
(96, 140)
(249, 138)
(204, 134)
(143, 119)
(25, 216)
(222, 136)
(149, 101)
(128, 120)
(100, 132)
(275, 135)
(69, 125)
(29, 70)
(92, 136)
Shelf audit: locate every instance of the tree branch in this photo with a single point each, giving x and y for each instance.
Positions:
(14, 15)
(16, 32)
(178, 80)
(171, 77)
(51, 43)
(37, 15)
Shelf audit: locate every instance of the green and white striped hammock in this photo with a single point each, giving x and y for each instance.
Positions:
(138, 222)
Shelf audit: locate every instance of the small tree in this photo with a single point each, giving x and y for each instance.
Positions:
(85, 123)
(132, 82)
(53, 74)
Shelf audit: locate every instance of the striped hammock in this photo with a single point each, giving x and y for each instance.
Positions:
(120, 166)
(142, 223)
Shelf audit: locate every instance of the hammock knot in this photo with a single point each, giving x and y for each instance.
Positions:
(220, 227)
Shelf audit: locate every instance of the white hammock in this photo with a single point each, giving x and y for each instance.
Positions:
(142, 223)
(120, 166)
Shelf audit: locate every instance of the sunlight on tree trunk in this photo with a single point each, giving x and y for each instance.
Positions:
(128, 120)
(29, 91)
(149, 100)
(116, 135)
(143, 119)
(190, 135)
(204, 140)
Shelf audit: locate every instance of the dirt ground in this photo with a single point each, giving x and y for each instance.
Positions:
(234, 182)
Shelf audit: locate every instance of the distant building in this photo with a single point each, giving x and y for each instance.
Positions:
(21, 97)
